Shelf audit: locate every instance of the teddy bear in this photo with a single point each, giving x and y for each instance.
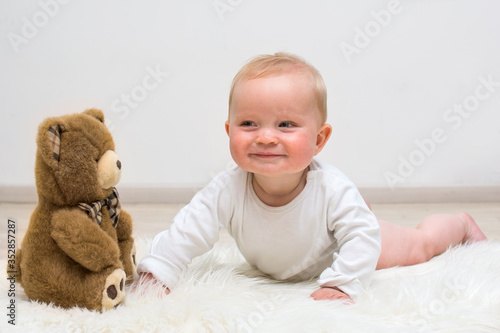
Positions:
(78, 249)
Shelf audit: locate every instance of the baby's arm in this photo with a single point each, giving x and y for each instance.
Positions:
(194, 231)
(357, 233)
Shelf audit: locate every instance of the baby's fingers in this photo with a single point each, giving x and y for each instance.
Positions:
(331, 294)
(147, 283)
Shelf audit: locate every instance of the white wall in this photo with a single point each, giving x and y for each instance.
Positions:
(390, 86)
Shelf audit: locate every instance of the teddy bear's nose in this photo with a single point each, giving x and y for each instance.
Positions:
(119, 164)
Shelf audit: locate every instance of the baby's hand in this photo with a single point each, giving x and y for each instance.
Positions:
(332, 293)
(147, 280)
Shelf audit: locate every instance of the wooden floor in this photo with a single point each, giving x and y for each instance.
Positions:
(149, 219)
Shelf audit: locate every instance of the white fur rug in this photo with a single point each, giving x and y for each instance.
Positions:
(458, 291)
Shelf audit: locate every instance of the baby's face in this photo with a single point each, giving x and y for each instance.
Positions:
(274, 123)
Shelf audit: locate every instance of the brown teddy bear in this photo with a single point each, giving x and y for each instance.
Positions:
(78, 249)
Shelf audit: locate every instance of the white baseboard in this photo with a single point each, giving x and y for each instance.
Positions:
(170, 195)
(431, 194)
(20, 194)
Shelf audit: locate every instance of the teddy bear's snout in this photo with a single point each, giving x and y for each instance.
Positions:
(109, 169)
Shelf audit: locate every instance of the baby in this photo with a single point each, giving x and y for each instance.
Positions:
(292, 216)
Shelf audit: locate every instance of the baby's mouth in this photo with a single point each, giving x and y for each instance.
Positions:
(267, 155)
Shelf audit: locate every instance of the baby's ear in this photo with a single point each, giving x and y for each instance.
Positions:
(96, 113)
(49, 141)
(322, 138)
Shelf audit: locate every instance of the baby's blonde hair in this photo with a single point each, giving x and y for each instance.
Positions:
(267, 65)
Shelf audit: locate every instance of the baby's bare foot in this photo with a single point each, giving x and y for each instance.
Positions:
(474, 234)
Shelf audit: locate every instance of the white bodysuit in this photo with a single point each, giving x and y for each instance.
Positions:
(326, 231)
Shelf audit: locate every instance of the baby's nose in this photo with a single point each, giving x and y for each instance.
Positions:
(267, 136)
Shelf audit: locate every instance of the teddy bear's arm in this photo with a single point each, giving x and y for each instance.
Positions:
(126, 242)
(124, 226)
(83, 240)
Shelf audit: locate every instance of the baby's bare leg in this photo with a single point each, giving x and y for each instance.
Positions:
(403, 246)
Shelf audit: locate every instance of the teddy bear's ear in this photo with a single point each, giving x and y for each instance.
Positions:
(96, 114)
(49, 141)
(53, 148)
(54, 138)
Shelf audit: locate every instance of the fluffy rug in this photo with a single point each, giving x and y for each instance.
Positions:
(458, 291)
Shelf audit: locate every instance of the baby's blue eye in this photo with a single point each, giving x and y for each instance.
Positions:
(286, 124)
(247, 123)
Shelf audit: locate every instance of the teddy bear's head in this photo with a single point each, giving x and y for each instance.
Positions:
(75, 159)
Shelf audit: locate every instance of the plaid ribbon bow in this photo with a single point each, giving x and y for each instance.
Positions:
(94, 209)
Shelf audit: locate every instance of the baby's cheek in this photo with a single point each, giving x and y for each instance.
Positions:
(303, 146)
(237, 146)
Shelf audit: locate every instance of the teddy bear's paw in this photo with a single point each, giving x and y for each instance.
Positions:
(114, 289)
